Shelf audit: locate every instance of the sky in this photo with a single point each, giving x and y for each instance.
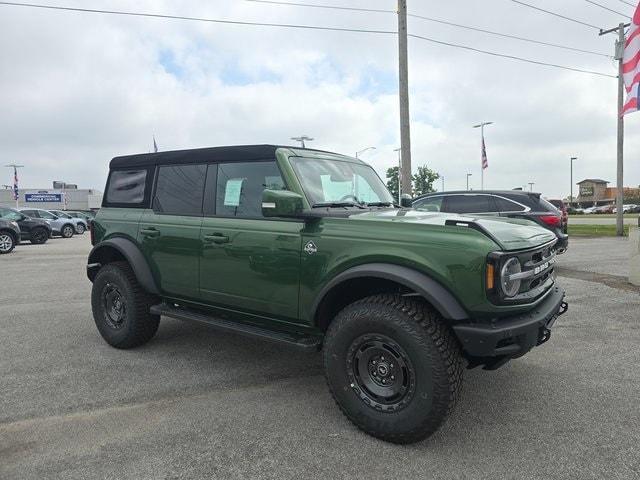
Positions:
(77, 89)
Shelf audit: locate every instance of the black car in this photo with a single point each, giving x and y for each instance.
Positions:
(509, 203)
(35, 230)
(9, 235)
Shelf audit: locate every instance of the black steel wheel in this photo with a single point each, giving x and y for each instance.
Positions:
(393, 367)
(7, 243)
(39, 236)
(67, 231)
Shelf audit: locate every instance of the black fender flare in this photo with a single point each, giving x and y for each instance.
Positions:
(437, 295)
(130, 251)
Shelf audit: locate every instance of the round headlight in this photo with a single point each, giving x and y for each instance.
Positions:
(510, 287)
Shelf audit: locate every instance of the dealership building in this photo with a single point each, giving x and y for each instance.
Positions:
(61, 197)
(594, 192)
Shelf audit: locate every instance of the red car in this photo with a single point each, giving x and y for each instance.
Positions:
(560, 205)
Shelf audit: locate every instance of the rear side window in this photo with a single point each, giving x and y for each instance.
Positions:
(179, 189)
(545, 206)
(470, 204)
(430, 204)
(240, 186)
(504, 205)
(127, 188)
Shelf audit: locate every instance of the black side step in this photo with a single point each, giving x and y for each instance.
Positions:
(309, 343)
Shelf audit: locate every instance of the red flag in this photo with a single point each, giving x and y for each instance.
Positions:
(631, 65)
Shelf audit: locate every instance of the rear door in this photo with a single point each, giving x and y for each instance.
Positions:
(249, 263)
(169, 232)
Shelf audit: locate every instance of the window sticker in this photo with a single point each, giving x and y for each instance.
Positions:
(232, 192)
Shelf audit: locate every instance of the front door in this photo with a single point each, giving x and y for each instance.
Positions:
(249, 263)
(169, 233)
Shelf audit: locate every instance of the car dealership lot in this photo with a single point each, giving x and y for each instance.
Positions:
(195, 403)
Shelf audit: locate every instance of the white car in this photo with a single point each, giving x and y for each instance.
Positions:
(79, 224)
(590, 210)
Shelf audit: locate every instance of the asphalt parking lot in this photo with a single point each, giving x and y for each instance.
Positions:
(194, 403)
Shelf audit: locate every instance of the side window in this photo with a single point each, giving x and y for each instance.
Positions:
(30, 213)
(504, 205)
(45, 214)
(240, 186)
(430, 204)
(126, 187)
(179, 189)
(470, 204)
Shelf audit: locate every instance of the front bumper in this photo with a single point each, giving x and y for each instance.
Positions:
(512, 337)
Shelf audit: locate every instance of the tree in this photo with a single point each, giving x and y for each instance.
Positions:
(392, 182)
(423, 181)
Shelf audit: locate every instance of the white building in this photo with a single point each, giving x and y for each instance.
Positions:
(53, 199)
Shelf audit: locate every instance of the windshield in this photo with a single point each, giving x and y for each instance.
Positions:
(10, 214)
(335, 181)
(47, 215)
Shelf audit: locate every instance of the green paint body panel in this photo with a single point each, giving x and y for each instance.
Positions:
(257, 270)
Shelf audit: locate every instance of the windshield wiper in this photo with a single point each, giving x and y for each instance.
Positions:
(336, 205)
(379, 204)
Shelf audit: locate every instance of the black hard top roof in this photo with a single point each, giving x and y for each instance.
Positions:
(238, 153)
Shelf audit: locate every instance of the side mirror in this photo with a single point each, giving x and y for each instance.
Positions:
(281, 203)
(406, 201)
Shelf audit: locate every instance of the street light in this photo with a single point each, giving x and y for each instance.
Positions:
(399, 150)
(468, 175)
(442, 177)
(571, 179)
(481, 127)
(531, 184)
(302, 139)
(364, 150)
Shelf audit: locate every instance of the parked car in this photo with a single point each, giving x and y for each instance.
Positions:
(35, 230)
(87, 216)
(307, 249)
(590, 210)
(79, 223)
(562, 207)
(62, 227)
(9, 235)
(510, 203)
(604, 209)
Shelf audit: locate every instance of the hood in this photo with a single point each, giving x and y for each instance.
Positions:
(508, 233)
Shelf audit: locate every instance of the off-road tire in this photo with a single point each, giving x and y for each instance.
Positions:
(80, 229)
(138, 325)
(39, 236)
(433, 353)
(7, 242)
(67, 231)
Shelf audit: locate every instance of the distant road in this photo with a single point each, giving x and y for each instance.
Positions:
(601, 220)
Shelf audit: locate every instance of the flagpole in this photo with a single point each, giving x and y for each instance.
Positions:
(16, 195)
(482, 148)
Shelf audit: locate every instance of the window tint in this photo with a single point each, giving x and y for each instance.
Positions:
(179, 189)
(470, 204)
(430, 204)
(45, 214)
(240, 186)
(30, 213)
(126, 187)
(504, 205)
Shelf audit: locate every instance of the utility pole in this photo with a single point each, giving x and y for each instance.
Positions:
(399, 150)
(481, 127)
(573, 159)
(405, 129)
(302, 139)
(468, 175)
(442, 183)
(15, 181)
(620, 175)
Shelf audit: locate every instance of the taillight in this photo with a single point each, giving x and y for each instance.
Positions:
(551, 220)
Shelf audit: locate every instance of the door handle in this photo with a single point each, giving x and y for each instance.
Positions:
(150, 232)
(216, 238)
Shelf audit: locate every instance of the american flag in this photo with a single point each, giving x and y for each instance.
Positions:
(485, 162)
(631, 65)
(15, 183)
(155, 145)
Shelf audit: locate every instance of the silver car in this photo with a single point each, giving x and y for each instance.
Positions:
(79, 223)
(63, 227)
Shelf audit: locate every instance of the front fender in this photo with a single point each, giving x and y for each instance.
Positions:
(103, 253)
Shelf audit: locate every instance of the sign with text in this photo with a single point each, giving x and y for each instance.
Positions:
(586, 190)
(43, 197)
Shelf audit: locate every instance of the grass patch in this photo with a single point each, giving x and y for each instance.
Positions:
(595, 230)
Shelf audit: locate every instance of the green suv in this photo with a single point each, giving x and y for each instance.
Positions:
(306, 248)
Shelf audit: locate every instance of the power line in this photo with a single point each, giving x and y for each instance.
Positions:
(512, 57)
(506, 35)
(330, 7)
(286, 25)
(580, 22)
(607, 8)
(197, 19)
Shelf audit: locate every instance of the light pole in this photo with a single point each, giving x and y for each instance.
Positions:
(531, 184)
(482, 150)
(442, 183)
(364, 150)
(399, 150)
(302, 139)
(468, 175)
(571, 179)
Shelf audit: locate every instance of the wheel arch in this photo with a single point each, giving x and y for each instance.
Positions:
(370, 279)
(13, 234)
(117, 249)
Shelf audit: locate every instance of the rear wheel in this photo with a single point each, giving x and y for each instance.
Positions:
(393, 367)
(39, 235)
(67, 231)
(7, 243)
(121, 307)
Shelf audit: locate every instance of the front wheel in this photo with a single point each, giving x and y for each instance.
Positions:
(39, 236)
(7, 243)
(67, 231)
(393, 367)
(80, 229)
